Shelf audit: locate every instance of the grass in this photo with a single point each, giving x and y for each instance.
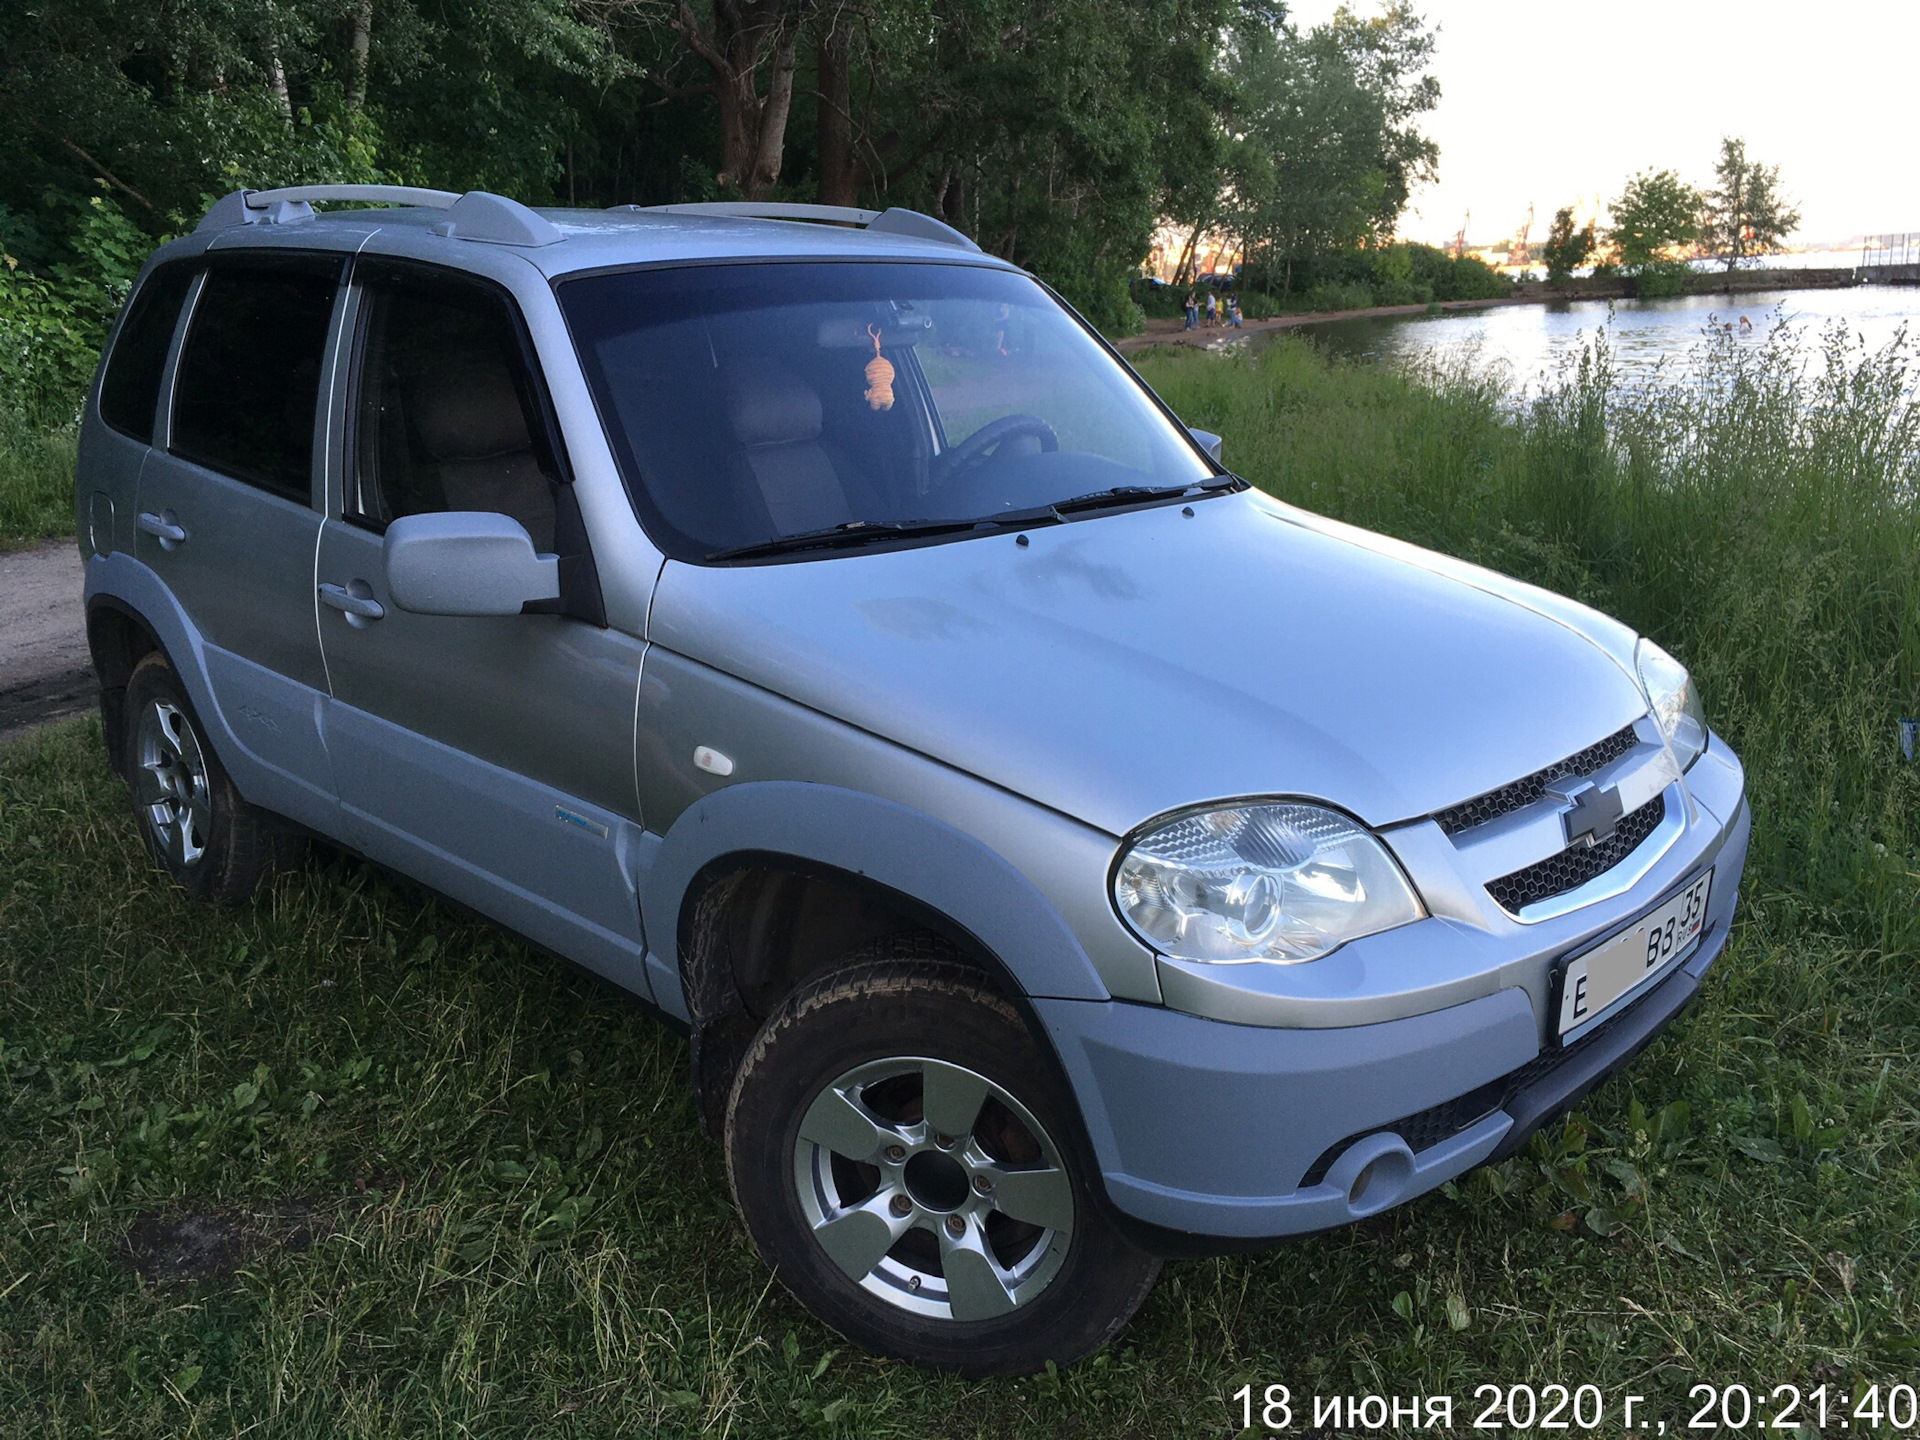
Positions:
(36, 482)
(342, 1162)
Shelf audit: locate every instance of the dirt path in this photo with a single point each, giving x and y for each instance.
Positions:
(45, 671)
(1174, 331)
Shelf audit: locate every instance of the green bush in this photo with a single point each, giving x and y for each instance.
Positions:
(1394, 280)
(1465, 278)
(1158, 302)
(52, 322)
(1336, 295)
(1254, 305)
(1658, 279)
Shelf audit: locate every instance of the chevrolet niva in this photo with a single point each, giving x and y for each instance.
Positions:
(1060, 855)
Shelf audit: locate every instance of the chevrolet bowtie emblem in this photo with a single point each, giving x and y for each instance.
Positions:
(1592, 814)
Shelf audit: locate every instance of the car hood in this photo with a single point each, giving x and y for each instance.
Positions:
(1124, 665)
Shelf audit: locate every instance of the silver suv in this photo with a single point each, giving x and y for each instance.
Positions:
(1059, 855)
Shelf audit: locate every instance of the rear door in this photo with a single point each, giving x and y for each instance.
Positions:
(492, 757)
(226, 516)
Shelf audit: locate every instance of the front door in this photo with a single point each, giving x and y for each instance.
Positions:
(491, 757)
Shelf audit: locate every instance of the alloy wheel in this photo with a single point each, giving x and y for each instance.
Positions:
(934, 1189)
(170, 783)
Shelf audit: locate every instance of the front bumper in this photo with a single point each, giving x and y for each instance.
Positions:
(1212, 1131)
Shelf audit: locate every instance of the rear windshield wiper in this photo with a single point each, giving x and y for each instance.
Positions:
(858, 532)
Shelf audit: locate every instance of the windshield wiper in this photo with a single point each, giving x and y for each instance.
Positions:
(849, 533)
(1136, 494)
(858, 532)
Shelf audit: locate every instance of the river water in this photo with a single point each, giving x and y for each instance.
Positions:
(1527, 343)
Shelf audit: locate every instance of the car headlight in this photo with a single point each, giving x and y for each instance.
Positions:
(1280, 882)
(1675, 701)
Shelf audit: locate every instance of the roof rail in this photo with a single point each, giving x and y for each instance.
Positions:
(894, 221)
(476, 215)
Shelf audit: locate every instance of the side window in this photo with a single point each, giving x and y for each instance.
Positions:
(131, 387)
(249, 378)
(445, 417)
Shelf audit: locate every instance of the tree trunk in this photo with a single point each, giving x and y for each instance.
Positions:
(953, 199)
(277, 82)
(753, 128)
(1182, 271)
(770, 135)
(839, 184)
(359, 52)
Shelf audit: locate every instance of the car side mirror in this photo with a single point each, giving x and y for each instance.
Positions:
(1209, 442)
(466, 562)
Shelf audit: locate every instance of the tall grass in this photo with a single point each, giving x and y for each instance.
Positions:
(36, 481)
(343, 1163)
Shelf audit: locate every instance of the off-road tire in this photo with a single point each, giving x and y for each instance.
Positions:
(869, 1013)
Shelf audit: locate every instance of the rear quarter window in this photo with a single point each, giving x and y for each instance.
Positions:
(249, 377)
(130, 390)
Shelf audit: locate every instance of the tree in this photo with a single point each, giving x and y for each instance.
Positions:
(1747, 216)
(748, 48)
(1567, 249)
(838, 174)
(1390, 53)
(1053, 135)
(1655, 220)
(1325, 152)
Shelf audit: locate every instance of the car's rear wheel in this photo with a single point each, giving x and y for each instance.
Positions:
(213, 843)
(896, 1146)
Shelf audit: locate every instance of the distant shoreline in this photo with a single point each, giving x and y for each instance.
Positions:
(1528, 292)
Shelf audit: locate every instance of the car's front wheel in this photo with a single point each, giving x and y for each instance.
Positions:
(895, 1145)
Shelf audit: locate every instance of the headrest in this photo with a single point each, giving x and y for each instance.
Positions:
(772, 407)
(469, 413)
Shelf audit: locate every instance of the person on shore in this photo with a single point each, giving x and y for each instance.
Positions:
(1213, 310)
(1233, 309)
(1193, 311)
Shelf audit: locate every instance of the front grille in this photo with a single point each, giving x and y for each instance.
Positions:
(1522, 793)
(1577, 864)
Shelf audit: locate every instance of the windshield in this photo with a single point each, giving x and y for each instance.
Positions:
(750, 404)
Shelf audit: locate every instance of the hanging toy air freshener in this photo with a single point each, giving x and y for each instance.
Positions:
(879, 376)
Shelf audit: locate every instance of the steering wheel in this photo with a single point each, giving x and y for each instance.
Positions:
(972, 450)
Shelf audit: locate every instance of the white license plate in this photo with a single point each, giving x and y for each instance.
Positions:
(1595, 982)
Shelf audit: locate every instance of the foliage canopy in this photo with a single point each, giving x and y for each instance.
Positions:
(1056, 136)
(1567, 248)
(1746, 214)
(1655, 219)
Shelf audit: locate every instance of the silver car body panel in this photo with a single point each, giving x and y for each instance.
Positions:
(685, 704)
(1123, 666)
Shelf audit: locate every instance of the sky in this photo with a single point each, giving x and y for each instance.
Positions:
(1556, 103)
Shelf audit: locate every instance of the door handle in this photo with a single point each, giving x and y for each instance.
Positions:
(162, 528)
(358, 607)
